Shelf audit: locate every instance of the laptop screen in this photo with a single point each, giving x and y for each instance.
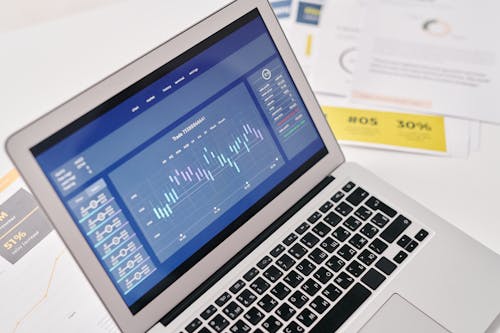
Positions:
(163, 172)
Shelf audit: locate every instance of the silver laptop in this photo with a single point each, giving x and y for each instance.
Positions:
(200, 189)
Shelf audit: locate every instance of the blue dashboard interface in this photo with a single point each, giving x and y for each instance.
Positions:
(154, 177)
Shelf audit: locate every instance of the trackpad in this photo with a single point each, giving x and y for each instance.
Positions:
(398, 315)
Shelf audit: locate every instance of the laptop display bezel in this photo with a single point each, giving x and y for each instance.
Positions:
(19, 146)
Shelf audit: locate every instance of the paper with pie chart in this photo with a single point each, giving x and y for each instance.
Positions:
(431, 57)
(338, 48)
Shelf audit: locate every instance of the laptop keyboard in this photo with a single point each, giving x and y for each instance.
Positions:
(319, 274)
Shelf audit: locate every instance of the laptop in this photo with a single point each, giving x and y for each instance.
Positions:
(200, 189)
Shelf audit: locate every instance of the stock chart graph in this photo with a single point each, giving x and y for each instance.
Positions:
(213, 162)
(180, 184)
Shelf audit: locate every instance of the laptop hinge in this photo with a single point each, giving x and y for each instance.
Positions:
(172, 314)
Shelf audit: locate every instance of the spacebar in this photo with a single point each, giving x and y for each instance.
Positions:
(342, 310)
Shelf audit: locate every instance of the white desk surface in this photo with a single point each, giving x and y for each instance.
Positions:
(44, 65)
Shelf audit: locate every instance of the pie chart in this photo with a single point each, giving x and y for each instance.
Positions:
(436, 27)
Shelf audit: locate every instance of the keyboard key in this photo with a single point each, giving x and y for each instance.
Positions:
(285, 311)
(395, 229)
(251, 274)
(293, 327)
(293, 279)
(319, 304)
(348, 187)
(376, 204)
(219, 323)
(332, 219)
(385, 265)
(208, 312)
(317, 256)
(298, 299)
(260, 285)
(311, 287)
(254, 315)
(272, 324)
(363, 213)
(378, 246)
(329, 244)
(341, 234)
(290, 239)
(326, 207)
(237, 286)
(305, 267)
(355, 268)
(264, 262)
(321, 229)
(267, 303)
(302, 228)
(240, 327)
(309, 240)
(323, 275)
(343, 208)
(337, 196)
(233, 310)
(411, 246)
(331, 292)
(344, 280)
(285, 262)
(357, 196)
(314, 217)
(358, 241)
(297, 251)
(307, 317)
(369, 230)
(352, 223)
(280, 290)
(403, 241)
(193, 325)
(335, 263)
(421, 235)
(400, 257)
(273, 273)
(380, 220)
(341, 311)
(367, 257)
(246, 297)
(373, 278)
(277, 250)
(204, 330)
(223, 299)
(346, 252)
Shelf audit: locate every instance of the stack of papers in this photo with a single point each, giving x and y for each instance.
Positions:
(417, 76)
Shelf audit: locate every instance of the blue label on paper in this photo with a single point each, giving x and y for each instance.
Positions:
(308, 13)
(281, 8)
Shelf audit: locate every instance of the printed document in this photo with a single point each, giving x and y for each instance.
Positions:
(431, 56)
(337, 47)
(391, 129)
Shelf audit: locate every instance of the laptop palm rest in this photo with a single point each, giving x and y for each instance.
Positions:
(398, 315)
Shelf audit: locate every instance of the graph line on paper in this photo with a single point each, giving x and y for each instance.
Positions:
(44, 296)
